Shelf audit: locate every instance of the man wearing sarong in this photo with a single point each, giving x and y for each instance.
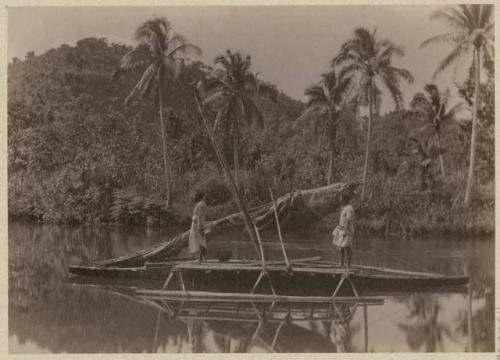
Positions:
(197, 241)
(344, 232)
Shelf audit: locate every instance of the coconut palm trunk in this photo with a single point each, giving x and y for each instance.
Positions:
(236, 158)
(368, 140)
(333, 135)
(164, 143)
(470, 177)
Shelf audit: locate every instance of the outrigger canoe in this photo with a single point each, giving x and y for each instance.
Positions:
(310, 277)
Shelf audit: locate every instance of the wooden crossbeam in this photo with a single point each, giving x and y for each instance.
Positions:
(344, 277)
(243, 297)
(181, 280)
(169, 277)
(341, 281)
(352, 285)
(257, 282)
(269, 268)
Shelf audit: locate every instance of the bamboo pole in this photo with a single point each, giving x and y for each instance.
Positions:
(261, 248)
(279, 230)
(155, 341)
(242, 297)
(225, 167)
(365, 317)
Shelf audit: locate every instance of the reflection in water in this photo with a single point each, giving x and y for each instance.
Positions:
(48, 314)
(254, 327)
(424, 331)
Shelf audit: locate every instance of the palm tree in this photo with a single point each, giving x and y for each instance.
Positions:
(325, 99)
(425, 152)
(367, 62)
(232, 88)
(431, 109)
(158, 52)
(472, 33)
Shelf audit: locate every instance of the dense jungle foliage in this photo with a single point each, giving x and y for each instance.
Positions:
(78, 155)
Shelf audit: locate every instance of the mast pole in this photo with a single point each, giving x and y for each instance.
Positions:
(250, 226)
(279, 229)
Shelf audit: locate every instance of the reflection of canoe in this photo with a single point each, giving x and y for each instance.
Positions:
(277, 326)
(306, 278)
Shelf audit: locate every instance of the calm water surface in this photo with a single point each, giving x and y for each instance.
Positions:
(49, 314)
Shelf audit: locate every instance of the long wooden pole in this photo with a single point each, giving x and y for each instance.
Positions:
(225, 168)
(279, 230)
(365, 317)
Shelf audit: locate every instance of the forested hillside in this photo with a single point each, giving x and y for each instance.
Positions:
(78, 154)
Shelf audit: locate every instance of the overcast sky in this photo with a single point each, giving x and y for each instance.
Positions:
(290, 45)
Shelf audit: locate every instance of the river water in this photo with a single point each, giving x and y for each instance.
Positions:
(49, 313)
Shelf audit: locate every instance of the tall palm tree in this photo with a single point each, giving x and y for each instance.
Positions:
(368, 62)
(325, 99)
(158, 52)
(472, 33)
(431, 108)
(232, 88)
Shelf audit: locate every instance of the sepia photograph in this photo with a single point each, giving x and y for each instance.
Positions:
(251, 179)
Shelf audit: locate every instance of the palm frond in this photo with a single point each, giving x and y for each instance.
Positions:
(451, 114)
(487, 11)
(211, 82)
(157, 26)
(249, 81)
(252, 112)
(402, 73)
(221, 59)
(316, 93)
(268, 91)
(215, 97)
(434, 96)
(467, 12)
(387, 49)
(310, 113)
(349, 70)
(135, 58)
(321, 125)
(451, 58)
(341, 92)
(391, 82)
(452, 17)
(143, 85)
(176, 39)
(366, 40)
(447, 37)
(329, 79)
(184, 48)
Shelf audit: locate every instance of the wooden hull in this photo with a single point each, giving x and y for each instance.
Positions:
(295, 283)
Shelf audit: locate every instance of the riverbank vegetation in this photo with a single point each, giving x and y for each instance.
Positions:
(78, 154)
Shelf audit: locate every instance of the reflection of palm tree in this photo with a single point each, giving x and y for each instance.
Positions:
(425, 331)
(341, 332)
(478, 325)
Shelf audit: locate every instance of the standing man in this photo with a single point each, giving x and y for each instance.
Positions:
(344, 232)
(197, 241)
